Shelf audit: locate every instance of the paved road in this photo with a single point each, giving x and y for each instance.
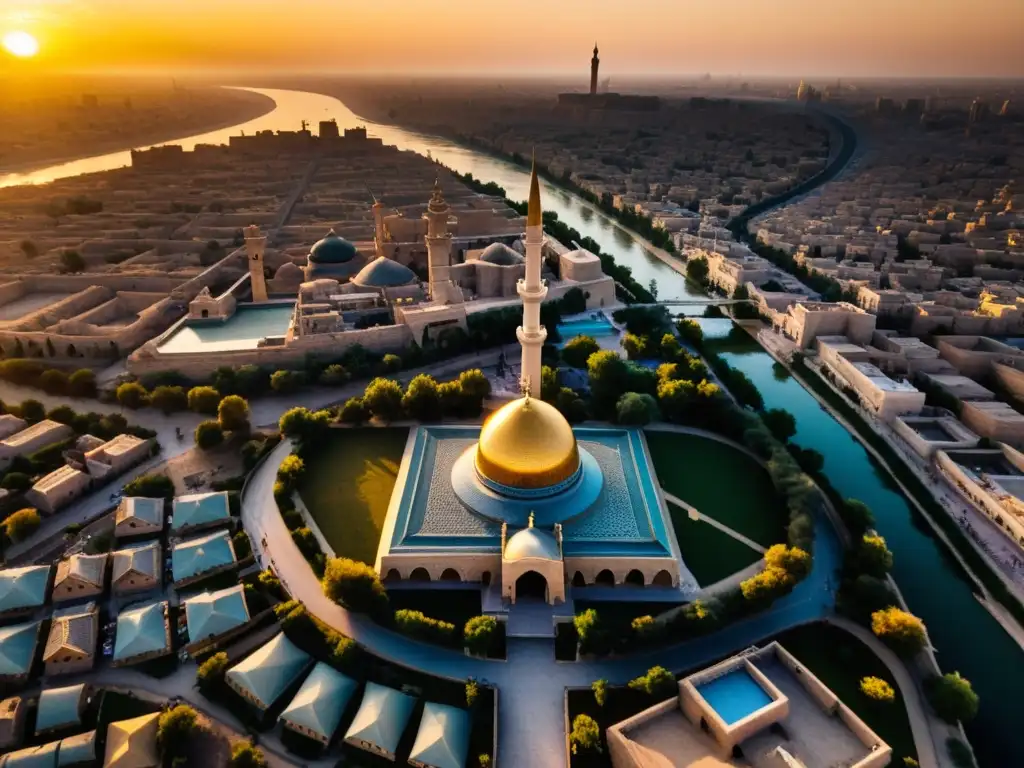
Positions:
(531, 684)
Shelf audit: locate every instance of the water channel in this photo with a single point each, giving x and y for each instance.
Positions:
(967, 638)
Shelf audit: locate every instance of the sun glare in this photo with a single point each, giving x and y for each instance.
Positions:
(20, 44)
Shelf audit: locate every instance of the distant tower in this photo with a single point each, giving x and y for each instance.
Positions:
(439, 247)
(255, 246)
(594, 64)
(532, 290)
(378, 227)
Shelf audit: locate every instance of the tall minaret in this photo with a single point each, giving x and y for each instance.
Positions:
(439, 247)
(532, 290)
(255, 245)
(594, 64)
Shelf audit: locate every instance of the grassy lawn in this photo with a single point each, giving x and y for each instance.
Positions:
(347, 487)
(452, 605)
(721, 482)
(840, 660)
(710, 554)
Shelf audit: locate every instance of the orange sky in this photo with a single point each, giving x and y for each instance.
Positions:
(797, 38)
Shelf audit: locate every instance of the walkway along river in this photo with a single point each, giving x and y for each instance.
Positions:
(967, 638)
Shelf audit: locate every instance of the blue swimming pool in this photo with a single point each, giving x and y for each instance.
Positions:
(243, 330)
(734, 695)
(597, 325)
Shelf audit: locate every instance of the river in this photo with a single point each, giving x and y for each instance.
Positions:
(967, 638)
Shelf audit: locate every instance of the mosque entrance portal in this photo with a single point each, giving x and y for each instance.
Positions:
(531, 586)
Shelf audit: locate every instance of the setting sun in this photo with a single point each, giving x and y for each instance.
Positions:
(20, 44)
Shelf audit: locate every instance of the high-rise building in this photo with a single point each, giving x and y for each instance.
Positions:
(594, 64)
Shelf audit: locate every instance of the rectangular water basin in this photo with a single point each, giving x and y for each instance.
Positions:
(595, 326)
(735, 695)
(243, 330)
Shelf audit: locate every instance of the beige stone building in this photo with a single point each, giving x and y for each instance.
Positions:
(974, 356)
(71, 644)
(995, 420)
(12, 722)
(137, 568)
(807, 321)
(58, 489)
(10, 424)
(138, 516)
(80, 576)
(885, 397)
(928, 434)
(994, 480)
(117, 456)
(30, 440)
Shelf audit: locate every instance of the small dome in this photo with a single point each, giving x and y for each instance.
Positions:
(501, 255)
(288, 271)
(384, 273)
(531, 542)
(332, 249)
(527, 444)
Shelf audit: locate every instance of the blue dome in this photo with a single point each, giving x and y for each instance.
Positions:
(384, 273)
(501, 255)
(332, 250)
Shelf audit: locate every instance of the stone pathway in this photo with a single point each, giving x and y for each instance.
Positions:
(697, 514)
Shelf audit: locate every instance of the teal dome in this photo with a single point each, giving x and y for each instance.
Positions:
(501, 255)
(384, 273)
(332, 250)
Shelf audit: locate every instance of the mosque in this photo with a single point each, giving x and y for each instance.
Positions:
(527, 502)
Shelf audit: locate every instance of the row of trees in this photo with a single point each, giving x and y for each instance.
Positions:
(53, 381)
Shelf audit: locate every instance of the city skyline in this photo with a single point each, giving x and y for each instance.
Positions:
(796, 39)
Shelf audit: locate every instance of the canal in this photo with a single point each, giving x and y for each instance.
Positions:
(967, 638)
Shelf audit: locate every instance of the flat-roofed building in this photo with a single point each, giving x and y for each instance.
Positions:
(316, 709)
(442, 740)
(58, 489)
(79, 749)
(24, 589)
(61, 708)
(138, 516)
(262, 677)
(885, 397)
(993, 479)
(132, 743)
(973, 356)
(30, 440)
(137, 568)
(18, 644)
(958, 386)
(807, 321)
(928, 434)
(200, 510)
(10, 424)
(71, 644)
(43, 756)
(143, 633)
(117, 455)
(763, 704)
(193, 559)
(211, 616)
(12, 722)
(80, 576)
(995, 420)
(381, 720)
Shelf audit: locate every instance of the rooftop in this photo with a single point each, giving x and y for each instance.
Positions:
(88, 569)
(881, 381)
(382, 717)
(57, 478)
(192, 557)
(37, 430)
(266, 673)
(60, 707)
(23, 587)
(72, 630)
(321, 701)
(214, 613)
(143, 559)
(17, 648)
(443, 737)
(199, 509)
(78, 749)
(132, 743)
(141, 631)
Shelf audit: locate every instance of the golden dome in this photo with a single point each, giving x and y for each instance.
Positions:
(527, 444)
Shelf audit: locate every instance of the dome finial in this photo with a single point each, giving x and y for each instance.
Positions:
(524, 387)
(534, 218)
(531, 519)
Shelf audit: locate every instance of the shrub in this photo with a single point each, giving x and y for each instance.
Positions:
(334, 375)
(767, 586)
(210, 674)
(284, 382)
(53, 381)
(22, 524)
(793, 560)
(634, 409)
(877, 689)
(355, 585)
(203, 400)
(421, 399)
(247, 755)
(241, 544)
(857, 517)
(480, 634)
(658, 682)
(475, 387)
(306, 542)
(645, 628)
(233, 414)
(16, 481)
(209, 434)
(64, 414)
(354, 411)
(600, 689)
(154, 485)
(420, 626)
(383, 399)
(578, 350)
(472, 693)
(873, 556)
(780, 423)
(901, 631)
(32, 411)
(132, 395)
(175, 728)
(290, 471)
(636, 347)
(585, 734)
(593, 637)
(670, 348)
(690, 331)
(952, 698)
(391, 363)
(169, 399)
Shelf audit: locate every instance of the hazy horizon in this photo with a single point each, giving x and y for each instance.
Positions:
(754, 39)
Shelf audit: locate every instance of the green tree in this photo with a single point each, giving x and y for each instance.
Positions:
(291, 471)
(169, 399)
(676, 398)
(203, 400)
(354, 585)
(176, 728)
(767, 586)
(132, 395)
(209, 434)
(22, 524)
(634, 409)
(593, 636)
(421, 399)
(585, 735)
(71, 261)
(284, 382)
(857, 517)
(82, 383)
(32, 411)
(690, 332)
(608, 375)
(873, 556)
(697, 270)
(233, 414)
(245, 754)
(154, 486)
(334, 375)
(578, 350)
(600, 689)
(877, 689)
(480, 634)
(210, 674)
(383, 398)
(670, 348)
(901, 631)
(793, 560)
(53, 382)
(658, 682)
(780, 423)
(636, 347)
(391, 363)
(18, 482)
(549, 385)
(354, 411)
(476, 388)
(571, 405)
(952, 697)
(304, 425)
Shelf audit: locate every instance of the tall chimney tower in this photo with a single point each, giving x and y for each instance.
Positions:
(594, 64)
